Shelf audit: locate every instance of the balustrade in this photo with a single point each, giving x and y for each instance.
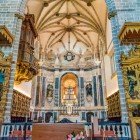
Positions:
(16, 130)
(121, 130)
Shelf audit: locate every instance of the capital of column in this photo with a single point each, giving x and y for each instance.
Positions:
(112, 14)
(81, 73)
(19, 16)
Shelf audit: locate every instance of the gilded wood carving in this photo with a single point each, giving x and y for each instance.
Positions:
(20, 104)
(5, 67)
(27, 64)
(5, 35)
(130, 33)
(134, 123)
(114, 109)
(131, 75)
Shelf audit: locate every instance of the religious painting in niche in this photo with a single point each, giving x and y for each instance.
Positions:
(49, 93)
(133, 84)
(89, 89)
(89, 92)
(38, 91)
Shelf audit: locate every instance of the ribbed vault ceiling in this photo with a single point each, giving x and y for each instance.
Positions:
(69, 24)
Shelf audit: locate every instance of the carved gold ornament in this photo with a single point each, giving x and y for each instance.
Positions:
(134, 123)
(130, 33)
(5, 67)
(27, 64)
(25, 71)
(5, 36)
(131, 76)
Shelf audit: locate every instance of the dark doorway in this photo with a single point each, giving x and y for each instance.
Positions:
(48, 116)
(88, 116)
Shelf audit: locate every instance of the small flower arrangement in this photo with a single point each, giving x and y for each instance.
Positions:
(79, 136)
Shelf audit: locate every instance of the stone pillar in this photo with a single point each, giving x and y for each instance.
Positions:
(43, 97)
(101, 96)
(117, 51)
(33, 92)
(12, 14)
(57, 97)
(38, 91)
(95, 90)
(81, 95)
(119, 13)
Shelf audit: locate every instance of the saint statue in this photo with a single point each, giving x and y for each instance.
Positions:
(132, 84)
(49, 91)
(89, 89)
(51, 120)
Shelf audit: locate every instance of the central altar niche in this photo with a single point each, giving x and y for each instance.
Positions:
(69, 90)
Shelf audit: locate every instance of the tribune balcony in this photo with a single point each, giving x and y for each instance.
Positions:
(27, 64)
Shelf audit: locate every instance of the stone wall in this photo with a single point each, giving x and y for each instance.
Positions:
(11, 14)
(119, 12)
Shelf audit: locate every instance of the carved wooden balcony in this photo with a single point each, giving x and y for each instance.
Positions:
(130, 33)
(27, 67)
(27, 64)
(5, 36)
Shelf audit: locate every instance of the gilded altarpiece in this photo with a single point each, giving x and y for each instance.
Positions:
(5, 67)
(131, 75)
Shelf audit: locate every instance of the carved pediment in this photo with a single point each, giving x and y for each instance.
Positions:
(5, 36)
(130, 33)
